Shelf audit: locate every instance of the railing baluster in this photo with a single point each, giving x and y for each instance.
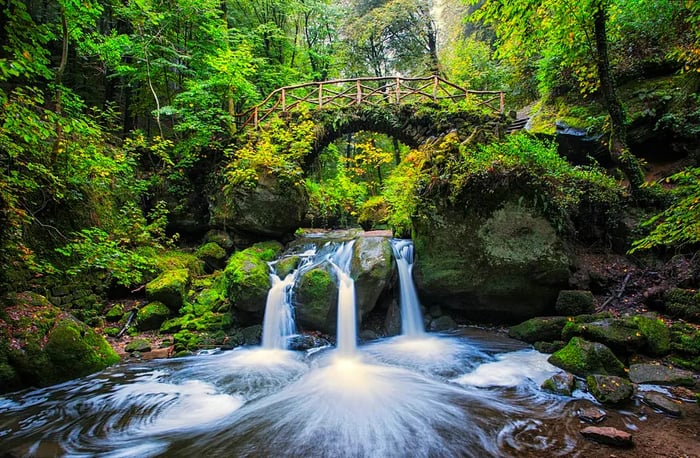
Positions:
(320, 95)
(359, 92)
(398, 90)
(284, 100)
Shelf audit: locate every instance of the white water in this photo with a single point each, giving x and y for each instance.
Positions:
(278, 324)
(347, 315)
(411, 316)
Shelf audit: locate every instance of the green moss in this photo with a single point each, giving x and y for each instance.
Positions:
(75, 350)
(609, 389)
(621, 335)
(111, 331)
(582, 358)
(286, 266)
(247, 277)
(140, 345)
(685, 339)
(210, 250)
(573, 302)
(267, 251)
(152, 316)
(539, 329)
(115, 313)
(165, 260)
(170, 288)
(656, 333)
(683, 303)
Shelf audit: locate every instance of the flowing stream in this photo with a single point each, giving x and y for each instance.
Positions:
(473, 393)
(411, 316)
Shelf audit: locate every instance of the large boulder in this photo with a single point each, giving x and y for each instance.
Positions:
(271, 209)
(170, 288)
(372, 270)
(508, 263)
(40, 345)
(538, 329)
(583, 358)
(316, 299)
(247, 276)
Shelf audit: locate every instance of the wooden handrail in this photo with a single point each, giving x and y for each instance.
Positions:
(338, 93)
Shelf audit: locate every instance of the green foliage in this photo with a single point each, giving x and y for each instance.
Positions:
(677, 226)
(401, 193)
(335, 200)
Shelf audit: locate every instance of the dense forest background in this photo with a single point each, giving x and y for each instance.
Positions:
(115, 113)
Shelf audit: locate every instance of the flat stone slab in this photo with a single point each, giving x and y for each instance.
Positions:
(592, 414)
(663, 403)
(608, 435)
(658, 374)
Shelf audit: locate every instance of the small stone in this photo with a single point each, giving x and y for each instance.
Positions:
(138, 345)
(658, 374)
(608, 435)
(443, 323)
(663, 403)
(592, 414)
(609, 389)
(561, 383)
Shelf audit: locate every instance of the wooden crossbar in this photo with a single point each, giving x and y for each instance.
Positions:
(370, 90)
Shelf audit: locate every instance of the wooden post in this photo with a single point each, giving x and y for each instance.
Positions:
(255, 117)
(398, 90)
(503, 102)
(284, 100)
(320, 95)
(359, 92)
(435, 87)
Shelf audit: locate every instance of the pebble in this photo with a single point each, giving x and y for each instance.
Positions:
(608, 435)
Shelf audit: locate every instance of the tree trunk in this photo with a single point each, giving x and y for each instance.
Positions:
(619, 152)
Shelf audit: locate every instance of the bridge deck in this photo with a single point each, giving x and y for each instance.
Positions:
(369, 91)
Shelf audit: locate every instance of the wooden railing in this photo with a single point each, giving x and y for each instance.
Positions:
(369, 91)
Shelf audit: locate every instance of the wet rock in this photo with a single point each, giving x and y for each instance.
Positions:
(663, 403)
(537, 329)
(561, 383)
(287, 265)
(138, 345)
(247, 276)
(443, 323)
(549, 347)
(392, 321)
(658, 374)
(221, 238)
(315, 300)
(252, 335)
(609, 389)
(574, 302)
(608, 435)
(170, 288)
(506, 262)
(683, 303)
(367, 335)
(622, 336)
(583, 358)
(592, 415)
(372, 269)
(303, 342)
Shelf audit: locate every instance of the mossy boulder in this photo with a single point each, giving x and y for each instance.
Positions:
(170, 288)
(287, 265)
(660, 374)
(583, 358)
(316, 299)
(574, 302)
(685, 339)
(561, 383)
(221, 238)
(213, 256)
(507, 263)
(42, 345)
(547, 328)
(371, 267)
(609, 389)
(621, 335)
(656, 334)
(273, 208)
(115, 313)
(247, 276)
(152, 315)
(683, 303)
(139, 345)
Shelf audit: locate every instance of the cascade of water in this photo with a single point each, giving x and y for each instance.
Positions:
(411, 316)
(347, 316)
(278, 323)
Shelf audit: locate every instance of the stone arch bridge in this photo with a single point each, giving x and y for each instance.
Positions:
(389, 105)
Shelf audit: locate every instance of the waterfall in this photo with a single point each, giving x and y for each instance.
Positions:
(347, 315)
(278, 324)
(411, 316)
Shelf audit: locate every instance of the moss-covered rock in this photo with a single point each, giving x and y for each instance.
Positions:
(656, 334)
(287, 265)
(574, 302)
(152, 316)
(660, 374)
(115, 313)
(547, 328)
(221, 238)
(371, 267)
(583, 358)
(621, 335)
(316, 298)
(139, 345)
(247, 276)
(213, 256)
(507, 263)
(683, 303)
(170, 288)
(609, 389)
(561, 383)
